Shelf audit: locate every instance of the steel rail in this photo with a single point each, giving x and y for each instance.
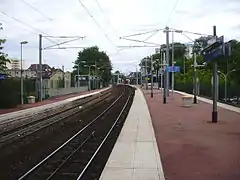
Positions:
(104, 140)
(69, 140)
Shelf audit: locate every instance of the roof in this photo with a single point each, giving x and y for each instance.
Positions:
(35, 67)
(47, 71)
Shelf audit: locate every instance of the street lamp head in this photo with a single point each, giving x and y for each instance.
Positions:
(23, 42)
(86, 65)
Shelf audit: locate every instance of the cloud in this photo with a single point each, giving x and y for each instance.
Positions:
(117, 18)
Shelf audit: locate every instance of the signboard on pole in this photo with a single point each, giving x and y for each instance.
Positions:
(3, 76)
(215, 48)
(173, 69)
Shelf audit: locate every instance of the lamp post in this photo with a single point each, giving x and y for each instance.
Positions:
(89, 68)
(78, 71)
(151, 76)
(21, 43)
(225, 82)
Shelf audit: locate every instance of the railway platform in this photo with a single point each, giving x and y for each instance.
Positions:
(49, 103)
(168, 141)
(135, 155)
(191, 146)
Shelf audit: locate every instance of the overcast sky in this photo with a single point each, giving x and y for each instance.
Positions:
(25, 19)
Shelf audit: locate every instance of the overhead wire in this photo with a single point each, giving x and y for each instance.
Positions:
(138, 34)
(96, 22)
(187, 37)
(37, 10)
(135, 40)
(26, 24)
(153, 34)
(172, 12)
(190, 32)
(71, 40)
(110, 24)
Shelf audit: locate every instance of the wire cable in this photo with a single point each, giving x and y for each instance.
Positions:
(26, 24)
(101, 9)
(172, 12)
(138, 34)
(99, 26)
(34, 8)
(153, 34)
(71, 40)
(187, 37)
(189, 32)
(141, 41)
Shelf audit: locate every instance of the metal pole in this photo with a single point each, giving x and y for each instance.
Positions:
(225, 92)
(21, 76)
(40, 67)
(146, 80)
(165, 80)
(215, 88)
(195, 78)
(151, 76)
(167, 59)
(95, 75)
(136, 76)
(141, 75)
(162, 53)
(78, 74)
(89, 81)
(159, 68)
(184, 70)
(173, 63)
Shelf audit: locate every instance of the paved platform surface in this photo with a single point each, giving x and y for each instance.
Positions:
(45, 102)
(135, 155)
(191, 147)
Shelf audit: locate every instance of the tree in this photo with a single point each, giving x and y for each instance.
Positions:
(3, 57)
(201, 43)
(94, 60)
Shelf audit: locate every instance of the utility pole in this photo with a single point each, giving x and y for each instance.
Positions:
(136, 76)
(141, 74)
(40, 67)
(21, 43)
(215, 87)
(21, 77)
(146, 79)
(172, 62)
(151, 76)
(195, 78)
(165, 80)
(63, 76)
(78, 72)
(161, 70)
(167, 59)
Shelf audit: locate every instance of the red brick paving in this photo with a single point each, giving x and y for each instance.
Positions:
(47, 101)
(191, 147)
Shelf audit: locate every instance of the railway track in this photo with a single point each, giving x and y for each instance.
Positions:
(74, 158)
(31, 127)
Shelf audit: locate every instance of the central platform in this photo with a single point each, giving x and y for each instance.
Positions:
(135, 155)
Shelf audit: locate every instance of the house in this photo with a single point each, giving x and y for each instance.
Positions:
(53, 78)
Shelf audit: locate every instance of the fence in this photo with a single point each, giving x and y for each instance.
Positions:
(206, 89)
(10, 94)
